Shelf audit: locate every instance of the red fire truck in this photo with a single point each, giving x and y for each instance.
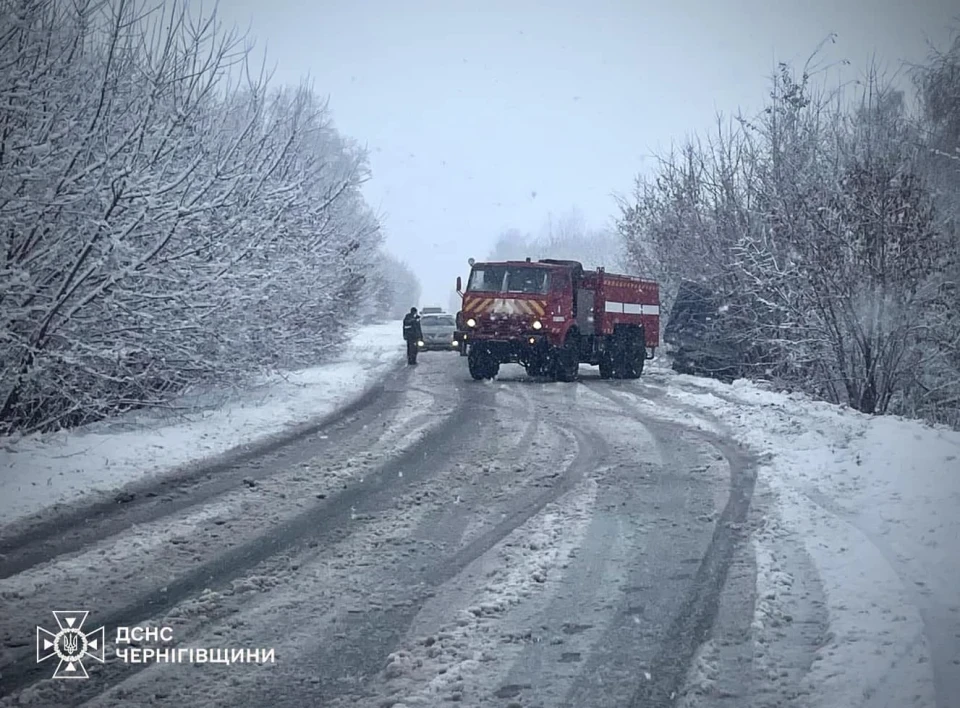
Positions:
(552, 315)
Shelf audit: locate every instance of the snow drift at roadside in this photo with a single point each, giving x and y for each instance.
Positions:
(43, 470)
(873, 500)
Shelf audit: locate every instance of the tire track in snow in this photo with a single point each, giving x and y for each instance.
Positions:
(43, 537)
(240, 513)
(461, 659)
(907, 667)
(380, 634)
(368, 627)
(371, 635)
(546, 658)
(504, 460)
(772, 621)
(150, 555)
(317, 587)
(320, 519)
(691, 625)
(506, 463)
(906, 662)
(478, 573)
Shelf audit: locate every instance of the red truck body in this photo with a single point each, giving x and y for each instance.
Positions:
(551, 315)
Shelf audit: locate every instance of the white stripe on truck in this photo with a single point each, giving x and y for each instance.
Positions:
(631, 308)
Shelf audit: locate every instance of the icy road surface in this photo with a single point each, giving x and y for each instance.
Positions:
(449, 542)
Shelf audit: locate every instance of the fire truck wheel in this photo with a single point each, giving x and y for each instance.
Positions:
(633, 355)
(614, 356)
(482, 365)
(568, 360)
(535, 368)
(606, 366)
(639, 353)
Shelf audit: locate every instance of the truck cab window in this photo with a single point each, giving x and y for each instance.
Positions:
(527, 280)
(488, 279)
(504, 279)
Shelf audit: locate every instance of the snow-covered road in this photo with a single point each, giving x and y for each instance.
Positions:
(668, 541)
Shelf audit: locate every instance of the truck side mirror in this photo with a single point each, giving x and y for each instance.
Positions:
(459, 284)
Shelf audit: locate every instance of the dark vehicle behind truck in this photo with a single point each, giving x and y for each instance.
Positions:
(698, 335)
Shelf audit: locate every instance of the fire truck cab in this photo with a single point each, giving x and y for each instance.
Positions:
(552, 315)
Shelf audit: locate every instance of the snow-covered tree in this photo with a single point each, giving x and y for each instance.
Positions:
(159, 226)
(565, 237)
(937, 384)
(512, 245)
(568, 237)
(398, 288)
(818, 227)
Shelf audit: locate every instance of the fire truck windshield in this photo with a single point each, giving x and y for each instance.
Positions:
(509, 279)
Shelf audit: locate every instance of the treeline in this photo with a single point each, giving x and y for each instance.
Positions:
(566, 236)
(398, 288)
(167, 218)
(828, 226)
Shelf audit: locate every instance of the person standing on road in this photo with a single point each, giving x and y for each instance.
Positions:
(412, 334)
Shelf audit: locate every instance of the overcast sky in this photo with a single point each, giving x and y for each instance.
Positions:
(491, 114)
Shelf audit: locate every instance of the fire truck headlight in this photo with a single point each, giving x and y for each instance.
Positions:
(537, 324)
(471, 322)
(420, 343)
(454, 343)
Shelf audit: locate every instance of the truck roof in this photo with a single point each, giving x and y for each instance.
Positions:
(552, 263)
(534, 264)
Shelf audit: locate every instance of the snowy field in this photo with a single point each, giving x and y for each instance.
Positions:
(874, 502)
(40, 471)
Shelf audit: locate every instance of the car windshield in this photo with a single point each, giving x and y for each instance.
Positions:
(437, 321)
(509, 279)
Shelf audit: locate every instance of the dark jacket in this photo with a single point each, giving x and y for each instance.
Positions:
(411, 327)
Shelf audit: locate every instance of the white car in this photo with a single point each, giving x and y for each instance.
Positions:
(438, 332)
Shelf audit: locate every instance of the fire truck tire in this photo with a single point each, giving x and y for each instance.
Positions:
(614, 357)
(634, 354)
(482, 365)
(628, 360)
(606, 365)
(567, 361)
(535, 368)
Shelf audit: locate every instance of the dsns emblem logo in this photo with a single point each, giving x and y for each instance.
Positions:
(70, 645)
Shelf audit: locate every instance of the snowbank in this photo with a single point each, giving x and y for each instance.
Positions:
(39, 471)
(874, 501)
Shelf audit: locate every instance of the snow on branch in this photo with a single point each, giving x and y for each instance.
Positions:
(827, 226)
(160, 226)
